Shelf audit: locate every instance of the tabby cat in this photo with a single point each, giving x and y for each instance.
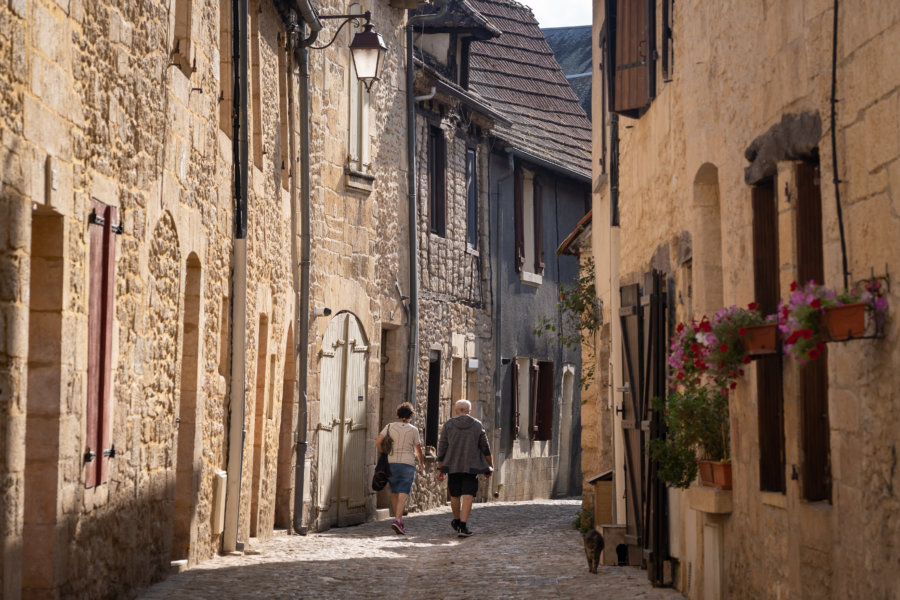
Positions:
(593, 546)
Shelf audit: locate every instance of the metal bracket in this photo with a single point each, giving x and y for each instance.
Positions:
(95, 219)
(110, 452)
(89, 456)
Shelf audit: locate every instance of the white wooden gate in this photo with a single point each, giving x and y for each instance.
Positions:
(342, 424)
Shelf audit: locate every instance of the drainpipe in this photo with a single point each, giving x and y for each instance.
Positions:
(498, 360)
(236, 431)
(301, 304)
(412, 360)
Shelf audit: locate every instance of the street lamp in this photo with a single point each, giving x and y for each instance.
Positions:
(367, 47)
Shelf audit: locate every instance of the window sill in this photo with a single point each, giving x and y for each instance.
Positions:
(530, 278)
(472, 251)
(776, 499)
(357, 180)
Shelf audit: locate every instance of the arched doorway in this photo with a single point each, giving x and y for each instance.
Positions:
(342, 426)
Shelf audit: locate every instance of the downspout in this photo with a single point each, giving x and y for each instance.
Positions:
(412, 359)
(236, 431)
(498, 360)
(835, 179)
(301, 311)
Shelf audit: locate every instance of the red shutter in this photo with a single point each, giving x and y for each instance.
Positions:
(533, 374)
(519, 208)
(632, 48)
(100, 326)
(515, 398)
(538, 202)
(544, 430)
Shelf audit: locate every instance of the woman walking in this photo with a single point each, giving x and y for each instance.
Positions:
(405, 452)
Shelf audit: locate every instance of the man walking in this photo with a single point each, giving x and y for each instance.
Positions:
(463, 452)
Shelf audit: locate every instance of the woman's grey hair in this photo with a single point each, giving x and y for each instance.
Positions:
(463, 406)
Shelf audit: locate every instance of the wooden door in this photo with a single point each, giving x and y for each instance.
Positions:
(643, 316)
(342, 427)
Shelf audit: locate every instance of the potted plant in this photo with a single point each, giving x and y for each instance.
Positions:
(704, 363)
(815, 314)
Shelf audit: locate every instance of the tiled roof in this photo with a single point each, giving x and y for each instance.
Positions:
(519, 75)
(460, 16)
(572, 48)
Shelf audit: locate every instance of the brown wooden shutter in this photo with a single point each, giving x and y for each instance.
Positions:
(100, 328)
(770, 395)
(538, 202)
(632, 50)
(437, 157)
(515, 398)
(519, 209)
(544, 428)
(814, 375)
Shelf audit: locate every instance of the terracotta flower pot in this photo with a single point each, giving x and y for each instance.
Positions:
(715, 474)
(845, 322)
(760, 340)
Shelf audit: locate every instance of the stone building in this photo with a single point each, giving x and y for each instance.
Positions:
(150, 283)
(737, 149)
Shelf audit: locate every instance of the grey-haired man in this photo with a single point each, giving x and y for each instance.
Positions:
(463, 453)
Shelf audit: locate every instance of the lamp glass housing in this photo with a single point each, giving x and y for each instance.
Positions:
(367, 49)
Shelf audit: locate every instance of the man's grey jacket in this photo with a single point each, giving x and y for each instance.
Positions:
(463, 446)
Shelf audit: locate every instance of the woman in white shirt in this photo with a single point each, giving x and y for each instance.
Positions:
(406, 452)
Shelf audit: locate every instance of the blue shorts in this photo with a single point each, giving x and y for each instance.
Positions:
(402, 476)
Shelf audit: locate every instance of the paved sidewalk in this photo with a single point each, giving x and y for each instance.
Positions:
(518, 551)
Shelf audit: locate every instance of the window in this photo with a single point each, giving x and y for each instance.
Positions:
(770, 396)
(437, 164)
(533, 379)
(529, 213)
(359, 110)
(816, 429)
(631, 27)
(471, 199)
(540, 414)
(103, 221)
(668, 44)
(181, 45)
(283, 132)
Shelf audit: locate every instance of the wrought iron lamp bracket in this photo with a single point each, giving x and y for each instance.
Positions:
(347, 18)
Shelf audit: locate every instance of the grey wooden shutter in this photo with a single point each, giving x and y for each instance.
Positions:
(538, 202)
(544, 425)
(518, 209)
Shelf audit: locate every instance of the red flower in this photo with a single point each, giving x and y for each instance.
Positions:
(816, 303)
(784, 312)
(793, 286)
(792, 339)
(813, 354)
(705, 326)
(723, 348)
(740, 372)
(806, 333)
(680, 327)
(747, 360)
(680, 375)
(820, 347)
(753, 306)
(742, 331)
(733, 385)
(695, 347)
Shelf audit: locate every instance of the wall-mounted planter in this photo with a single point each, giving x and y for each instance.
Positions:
(761, 340)
(715, 474)
(845, 322)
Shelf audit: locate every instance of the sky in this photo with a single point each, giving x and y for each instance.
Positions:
(560, 13)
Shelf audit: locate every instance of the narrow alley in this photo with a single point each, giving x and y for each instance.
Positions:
(518, 550)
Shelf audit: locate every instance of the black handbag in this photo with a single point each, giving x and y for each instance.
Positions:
(382, 472)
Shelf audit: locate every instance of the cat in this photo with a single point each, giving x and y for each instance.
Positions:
(593, 545)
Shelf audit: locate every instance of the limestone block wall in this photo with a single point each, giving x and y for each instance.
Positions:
(682, 170)
(94, 109)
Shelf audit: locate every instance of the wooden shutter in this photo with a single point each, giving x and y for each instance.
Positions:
(532, 398)
(519, 209)
(770, 396)
(515, 398)
(471, 199)
(538, 202)
(544, 425)
(437, 158)
(632, 54)
(631, 319)
(813, 376)
(100, 327)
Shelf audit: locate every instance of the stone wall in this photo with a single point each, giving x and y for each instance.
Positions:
(738, 71)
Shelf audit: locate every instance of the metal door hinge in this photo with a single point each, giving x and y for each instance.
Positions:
(110, 452)
(95, 219)
(89, 456)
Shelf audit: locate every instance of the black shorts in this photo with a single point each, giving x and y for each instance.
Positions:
(462, 484)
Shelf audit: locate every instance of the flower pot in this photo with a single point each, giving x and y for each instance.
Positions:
(845, 322)
(715, 474)
(760, 340)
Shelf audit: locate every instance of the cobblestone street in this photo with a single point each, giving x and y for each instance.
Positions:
(518, 550)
